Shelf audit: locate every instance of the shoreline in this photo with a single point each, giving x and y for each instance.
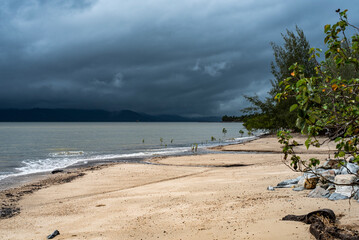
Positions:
(17, 179)
(209, 196)
(29, 183)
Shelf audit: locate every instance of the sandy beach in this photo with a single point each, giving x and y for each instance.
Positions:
(214, 196)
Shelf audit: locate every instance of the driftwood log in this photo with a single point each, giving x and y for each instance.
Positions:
(323, 225)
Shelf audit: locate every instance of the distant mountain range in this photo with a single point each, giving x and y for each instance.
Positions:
(77, 115)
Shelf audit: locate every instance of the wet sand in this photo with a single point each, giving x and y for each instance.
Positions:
(212, 196)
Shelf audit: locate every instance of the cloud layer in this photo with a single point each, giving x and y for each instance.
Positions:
(189, 57)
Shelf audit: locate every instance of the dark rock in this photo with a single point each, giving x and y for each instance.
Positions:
(57, 171)
(54, 234)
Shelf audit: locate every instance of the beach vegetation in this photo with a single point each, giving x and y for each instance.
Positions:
(241, 132)
(161, 140)
(194, 147)
(269, 114)
(224, 131)
(328, 102)
(213, 139)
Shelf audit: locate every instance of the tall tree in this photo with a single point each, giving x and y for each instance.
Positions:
(269, 114)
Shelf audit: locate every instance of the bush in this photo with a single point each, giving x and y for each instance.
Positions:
(329, 101)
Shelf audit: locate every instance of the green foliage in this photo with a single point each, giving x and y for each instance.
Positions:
(213, 139)
(295, 50)
(270, 114)
(327, 102)
(241, 132)
(194, 147)
(224, 131)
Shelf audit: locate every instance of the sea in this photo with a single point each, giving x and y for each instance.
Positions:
(38, 148)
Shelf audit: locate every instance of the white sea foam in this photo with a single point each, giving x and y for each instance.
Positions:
(242, 139)
(65, 159)
(66, 153)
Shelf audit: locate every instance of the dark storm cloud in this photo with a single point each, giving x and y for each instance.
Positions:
(189, 57)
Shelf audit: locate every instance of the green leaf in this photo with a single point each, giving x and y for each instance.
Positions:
(293, 107)
(300, 82)
(327, 54)
(339, 60)
(326, 39)
(338, 139)
(341, 154)
(299, 123)
(326, 28)
(316, 99)
(307, 143)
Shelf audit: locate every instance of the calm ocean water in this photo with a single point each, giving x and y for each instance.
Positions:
(27, 148)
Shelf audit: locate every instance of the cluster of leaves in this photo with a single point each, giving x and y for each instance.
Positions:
(224, 131)
(327, 102)
(270, 114)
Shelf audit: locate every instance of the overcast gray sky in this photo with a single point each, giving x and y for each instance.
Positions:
(188, 57)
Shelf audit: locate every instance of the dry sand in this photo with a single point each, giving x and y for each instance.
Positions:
(269, 143)
(186, 197)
